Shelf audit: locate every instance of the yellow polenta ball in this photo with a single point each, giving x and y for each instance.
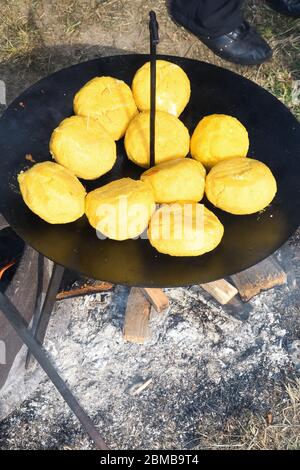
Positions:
(184, 229)
(120, 209)
(240, 186)
(182, 179)
(84, 146)
(173, 88)
(110, 101)
(171, 138)
(52, 192)
(218, 137)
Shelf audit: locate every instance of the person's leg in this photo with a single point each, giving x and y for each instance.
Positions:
(286, 7)
(219, 24)
(209, 17)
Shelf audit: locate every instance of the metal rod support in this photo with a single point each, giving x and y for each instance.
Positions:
(154, 40)
(18, 323)
(42, 315)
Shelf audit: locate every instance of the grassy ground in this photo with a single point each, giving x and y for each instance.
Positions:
(31, 33)
(38, 37)
(278, 429)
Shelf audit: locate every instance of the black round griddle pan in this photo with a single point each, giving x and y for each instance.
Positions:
(26, 127)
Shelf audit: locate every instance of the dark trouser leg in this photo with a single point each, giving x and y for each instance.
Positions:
(207, 17)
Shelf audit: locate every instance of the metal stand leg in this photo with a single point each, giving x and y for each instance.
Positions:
(42, 314)
(19, 324)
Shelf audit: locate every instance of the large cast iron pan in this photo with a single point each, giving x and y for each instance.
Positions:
(27, 124)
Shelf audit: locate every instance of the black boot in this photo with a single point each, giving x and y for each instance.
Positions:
(242, 46)
(286, 7)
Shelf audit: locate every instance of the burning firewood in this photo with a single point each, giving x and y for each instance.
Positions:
(6, 267)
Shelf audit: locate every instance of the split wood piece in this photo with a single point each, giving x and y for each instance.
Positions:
(157, 298)
(22, 291)
(264, 275)
(137, 315)
(220, 290)
(88, 288)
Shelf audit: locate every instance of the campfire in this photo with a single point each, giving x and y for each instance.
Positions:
(31, 283)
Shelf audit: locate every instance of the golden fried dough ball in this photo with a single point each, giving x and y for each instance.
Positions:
(120, 209)
(240, 186)
(218, 137)
(184, 229)
(84, 146)
(182, 179)
(110, 101)
(173, 88)
(52, 192)
(171, 138)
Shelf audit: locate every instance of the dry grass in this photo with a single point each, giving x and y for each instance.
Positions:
(283, 34)
(17, 37)
(284, 433)
(122, 24)
(29, 33)
(278, 429)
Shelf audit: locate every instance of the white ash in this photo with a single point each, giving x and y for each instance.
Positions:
(204, 366)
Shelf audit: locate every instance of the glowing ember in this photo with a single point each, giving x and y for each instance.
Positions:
(6, 267)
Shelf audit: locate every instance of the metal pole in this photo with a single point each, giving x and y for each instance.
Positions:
(42, 315)
(154, 40)
(19, 324)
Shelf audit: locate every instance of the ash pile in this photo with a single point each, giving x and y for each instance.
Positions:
(201, 368)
